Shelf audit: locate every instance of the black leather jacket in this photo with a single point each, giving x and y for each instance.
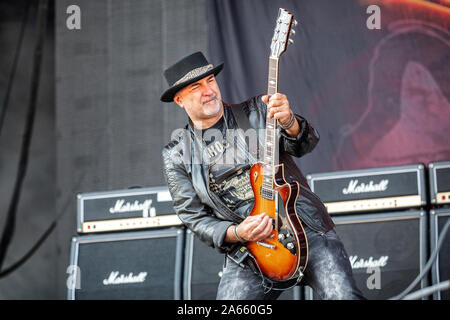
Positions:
(201, 210)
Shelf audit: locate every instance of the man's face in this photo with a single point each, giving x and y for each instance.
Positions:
(201, 100)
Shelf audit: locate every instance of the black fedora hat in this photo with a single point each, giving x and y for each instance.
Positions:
(186, 71)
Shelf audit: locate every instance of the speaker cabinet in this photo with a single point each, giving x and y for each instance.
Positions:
(127, 266)
(203, 269)
(387, 251)
(441, 268)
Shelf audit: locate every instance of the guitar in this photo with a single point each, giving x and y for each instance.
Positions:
(284, 254)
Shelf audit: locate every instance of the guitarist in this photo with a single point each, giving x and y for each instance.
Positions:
(208, 178)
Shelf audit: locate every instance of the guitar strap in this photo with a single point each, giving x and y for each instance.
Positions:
(242, 120)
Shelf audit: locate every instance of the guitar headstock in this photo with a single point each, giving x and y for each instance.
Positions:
(283, 31)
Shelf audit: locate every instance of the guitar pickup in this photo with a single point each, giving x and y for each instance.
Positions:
(265, 245)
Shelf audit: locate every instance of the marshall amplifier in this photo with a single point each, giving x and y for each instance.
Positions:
(387, 251)
(203, 269)
(370, 189)
(127, 266)
(125, 210)
(441, 268)
(439, 173)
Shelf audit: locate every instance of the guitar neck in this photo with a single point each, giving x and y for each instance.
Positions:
(272, 86)
(271, 125)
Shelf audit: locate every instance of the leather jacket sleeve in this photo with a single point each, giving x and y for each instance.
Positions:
(195, 215)
(305, 141)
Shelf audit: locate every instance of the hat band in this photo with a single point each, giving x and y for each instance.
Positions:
(194, 73)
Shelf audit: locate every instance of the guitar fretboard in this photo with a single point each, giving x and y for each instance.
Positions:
(270, 139)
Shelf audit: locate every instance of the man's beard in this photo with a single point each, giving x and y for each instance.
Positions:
(212, 108)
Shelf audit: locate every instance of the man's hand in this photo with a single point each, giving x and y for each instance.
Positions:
(253, 228)
(278, 108)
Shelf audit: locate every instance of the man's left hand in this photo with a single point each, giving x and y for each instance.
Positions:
(278, 108)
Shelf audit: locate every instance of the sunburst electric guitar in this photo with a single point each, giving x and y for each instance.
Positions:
(284, 254)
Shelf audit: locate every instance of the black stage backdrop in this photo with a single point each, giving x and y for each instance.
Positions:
(377, 97)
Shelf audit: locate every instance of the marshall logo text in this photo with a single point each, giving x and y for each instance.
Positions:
(116, 278)
(146, 207)
(360, 263)
(353, 187)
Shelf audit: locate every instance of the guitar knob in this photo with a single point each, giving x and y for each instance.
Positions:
(281, 236)
(290, 246)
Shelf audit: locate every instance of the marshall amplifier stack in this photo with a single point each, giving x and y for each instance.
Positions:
(380, 217)
(439, 176)
(130, 246)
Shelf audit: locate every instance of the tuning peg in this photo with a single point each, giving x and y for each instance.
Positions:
(294, 23)
(292, 32)
(291, 41)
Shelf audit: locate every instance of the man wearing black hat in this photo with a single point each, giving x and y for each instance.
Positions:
(208, 177)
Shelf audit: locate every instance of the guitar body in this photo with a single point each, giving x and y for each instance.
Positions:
(281, 256)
